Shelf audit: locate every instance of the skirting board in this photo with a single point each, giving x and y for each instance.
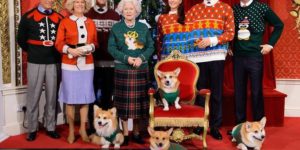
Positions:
(291, 87)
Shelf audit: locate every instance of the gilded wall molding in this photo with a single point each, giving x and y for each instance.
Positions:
(5, 44)
(296, 13)
(18, 55)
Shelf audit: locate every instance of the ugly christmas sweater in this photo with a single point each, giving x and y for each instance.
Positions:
(104, 20)
(37, 34)
(171, 35)
(135, 42)
(206, 22)
(250, 26)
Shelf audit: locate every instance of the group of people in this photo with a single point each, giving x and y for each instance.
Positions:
(102, 55)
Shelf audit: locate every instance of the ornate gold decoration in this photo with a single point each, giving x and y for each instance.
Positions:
(58, 5)
(5, 48)
(179, 136)
(18, 51)
(296, 13)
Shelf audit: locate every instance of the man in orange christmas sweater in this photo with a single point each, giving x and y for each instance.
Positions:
(212, 27)
(36, 36)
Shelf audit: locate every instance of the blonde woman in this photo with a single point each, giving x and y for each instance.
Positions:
(76, 40)
(131, 46)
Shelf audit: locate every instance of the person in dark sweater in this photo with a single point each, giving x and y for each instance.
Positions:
(36, 36)
(104, 19)
(250, 17)
(131, 45)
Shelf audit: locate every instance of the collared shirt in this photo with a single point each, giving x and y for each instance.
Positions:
(210, 2)
(42, 9)
(247, 4)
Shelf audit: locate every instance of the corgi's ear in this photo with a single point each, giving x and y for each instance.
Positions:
(113, 111)
(159, 73)
(95, 109)
(150, 131)
(248, 126)
(263, 121)
(170, 131)
(177, 71)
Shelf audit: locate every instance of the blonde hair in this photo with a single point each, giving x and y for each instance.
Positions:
(136, 4)
(69, 5)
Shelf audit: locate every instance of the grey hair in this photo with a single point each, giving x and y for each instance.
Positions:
(136, 4)
(69, 5)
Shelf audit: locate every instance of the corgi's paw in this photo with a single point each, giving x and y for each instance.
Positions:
(117, 146)
(242, 146)
(106, 146)
(233, 140)
(177, 106)
(257, 148)
(166, 108)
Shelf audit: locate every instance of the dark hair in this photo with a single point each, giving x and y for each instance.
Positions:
(180, 11)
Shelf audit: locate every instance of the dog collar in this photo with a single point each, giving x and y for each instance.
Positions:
(112, 136)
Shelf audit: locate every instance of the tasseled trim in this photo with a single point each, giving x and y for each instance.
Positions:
(178, 122)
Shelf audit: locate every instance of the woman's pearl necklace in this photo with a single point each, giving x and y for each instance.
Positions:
(130, 26)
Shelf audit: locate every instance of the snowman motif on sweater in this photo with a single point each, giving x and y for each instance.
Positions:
(244, 33)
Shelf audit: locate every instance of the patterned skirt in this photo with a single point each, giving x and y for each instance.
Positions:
(130, 93)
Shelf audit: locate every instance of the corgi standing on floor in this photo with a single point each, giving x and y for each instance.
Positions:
(160, 140)
(169, 88)
(107, 128)
(249, 134)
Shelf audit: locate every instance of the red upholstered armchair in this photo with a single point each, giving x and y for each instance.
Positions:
(189, 115)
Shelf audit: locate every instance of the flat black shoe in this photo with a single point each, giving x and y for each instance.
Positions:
(215, 133)
(198, 130)
(53, 134)
(138, 139)
(31, 136)
(126, 141)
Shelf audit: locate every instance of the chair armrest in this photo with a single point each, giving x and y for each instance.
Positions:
(206, 94)
(203, 92)
(151, 91)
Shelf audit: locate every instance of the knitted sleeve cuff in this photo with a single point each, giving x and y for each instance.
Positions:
(65, 49)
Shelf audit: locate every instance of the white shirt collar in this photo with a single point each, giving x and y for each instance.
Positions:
(210, 2)
(172, 12)
(74, 18)
(247, 4)
(96, 8)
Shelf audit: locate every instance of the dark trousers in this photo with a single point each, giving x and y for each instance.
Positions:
(104, 81)
(244, 68)
(211, 77)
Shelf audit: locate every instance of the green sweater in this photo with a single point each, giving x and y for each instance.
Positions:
(134, 42)
(252, 19)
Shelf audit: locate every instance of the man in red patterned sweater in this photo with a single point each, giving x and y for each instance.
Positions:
(212, 27)
(104, 19)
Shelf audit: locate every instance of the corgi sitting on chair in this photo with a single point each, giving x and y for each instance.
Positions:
(169, 88)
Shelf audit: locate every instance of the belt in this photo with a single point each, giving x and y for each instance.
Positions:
(77, 45)
(42, 43)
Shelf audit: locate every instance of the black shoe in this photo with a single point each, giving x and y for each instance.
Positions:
(31, 136)
(198, 130)
(126, 141)
(53, 134)
(215, 133)
(138, 139)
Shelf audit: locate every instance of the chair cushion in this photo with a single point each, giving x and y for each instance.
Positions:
(187, 116)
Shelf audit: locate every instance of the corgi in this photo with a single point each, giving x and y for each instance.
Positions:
(249, 134)
(132, 42)
(169, 85)
(160, 140)
(107, 128)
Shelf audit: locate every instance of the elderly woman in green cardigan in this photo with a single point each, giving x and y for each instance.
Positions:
(131, 45)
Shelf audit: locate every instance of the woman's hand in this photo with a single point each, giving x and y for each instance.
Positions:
(131, 60)
(137, 63)
(74, 52)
